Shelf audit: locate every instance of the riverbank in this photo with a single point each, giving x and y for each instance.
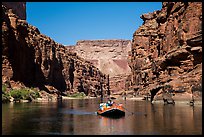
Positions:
(179, 98)
(187, 102)
(55, 99)
(87, 97)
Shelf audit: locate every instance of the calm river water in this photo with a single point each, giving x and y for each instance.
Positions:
(78, 117)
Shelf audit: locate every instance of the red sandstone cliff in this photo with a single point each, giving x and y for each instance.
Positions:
(167, 51)
(109, 56)
(32, 59)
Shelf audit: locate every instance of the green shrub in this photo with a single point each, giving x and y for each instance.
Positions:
(82, 94)
(25, 94)
(18, 94)
(4, 88)
(77, 95)
(35, 94)
(5, 97)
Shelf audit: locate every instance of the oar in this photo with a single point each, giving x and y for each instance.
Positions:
(128, 110)
(133, 112)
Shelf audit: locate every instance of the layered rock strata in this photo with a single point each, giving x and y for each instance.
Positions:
(109, 56)
(31, 59)
(166, 52)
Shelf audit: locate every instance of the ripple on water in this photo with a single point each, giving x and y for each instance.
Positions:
(78, 112)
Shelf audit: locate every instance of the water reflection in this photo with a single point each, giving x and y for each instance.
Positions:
(111, 125)
(78, 117)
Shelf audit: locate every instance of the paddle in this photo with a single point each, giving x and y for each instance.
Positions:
(132, 112)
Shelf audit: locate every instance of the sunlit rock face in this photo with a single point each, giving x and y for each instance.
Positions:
(31, 59)
(109, 56)
(167, 50)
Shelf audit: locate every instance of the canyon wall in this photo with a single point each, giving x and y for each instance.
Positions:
(18, 8)
(166, 52)
(31, 59)
(165, 55)
(109, 56)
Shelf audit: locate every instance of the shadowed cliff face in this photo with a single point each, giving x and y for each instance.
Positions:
(167, 50)
(18, 8)
(32, 59)
(109, 56)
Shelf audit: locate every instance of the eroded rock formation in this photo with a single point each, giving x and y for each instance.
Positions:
(167, 50)
(32, 59)
(109, 56)
(18, 8)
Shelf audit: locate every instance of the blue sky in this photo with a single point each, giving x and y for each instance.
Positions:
(68, 22)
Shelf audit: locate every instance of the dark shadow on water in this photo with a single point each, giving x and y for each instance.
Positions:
(78, 112)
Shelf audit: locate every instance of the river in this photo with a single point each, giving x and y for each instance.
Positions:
(78, 117)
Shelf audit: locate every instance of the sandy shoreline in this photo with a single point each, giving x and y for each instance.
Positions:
(177, 101)
(63, 97)
(187, 102)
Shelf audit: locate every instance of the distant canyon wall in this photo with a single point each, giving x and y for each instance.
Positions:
(167, 50)
(31, 59)
(109, 56)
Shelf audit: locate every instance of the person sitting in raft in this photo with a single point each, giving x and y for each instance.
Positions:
(110, 102)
